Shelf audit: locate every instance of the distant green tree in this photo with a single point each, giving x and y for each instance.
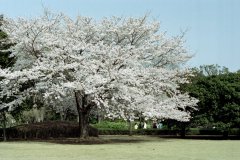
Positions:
(5, 60)
(218, 91)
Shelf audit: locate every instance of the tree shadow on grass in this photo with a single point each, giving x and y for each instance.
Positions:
(117, 139)
(98, 140)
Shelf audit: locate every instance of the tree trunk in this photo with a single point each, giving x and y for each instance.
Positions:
(84, 106)
(84, 124)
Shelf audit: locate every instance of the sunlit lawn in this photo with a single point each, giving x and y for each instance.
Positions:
(124, 147)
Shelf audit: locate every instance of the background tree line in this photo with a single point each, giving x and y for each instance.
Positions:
(218, 91)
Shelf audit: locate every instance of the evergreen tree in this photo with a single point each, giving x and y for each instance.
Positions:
(5, 60)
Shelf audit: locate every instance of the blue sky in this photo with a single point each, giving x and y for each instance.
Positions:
(213, 25)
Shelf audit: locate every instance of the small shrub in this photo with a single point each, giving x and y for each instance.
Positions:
(119, 125)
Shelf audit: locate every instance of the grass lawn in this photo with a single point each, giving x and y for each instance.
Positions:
(124, 147)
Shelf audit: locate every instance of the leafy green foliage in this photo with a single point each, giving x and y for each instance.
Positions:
(111, 125)
(219, 97)
(5, 60)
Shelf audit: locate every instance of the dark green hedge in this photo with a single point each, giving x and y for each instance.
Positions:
(211, 131)
(167, 132)
(138, 132)
(45, 130)
(59, 129)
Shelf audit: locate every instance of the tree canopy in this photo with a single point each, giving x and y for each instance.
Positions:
(219, 97)
(120, 66)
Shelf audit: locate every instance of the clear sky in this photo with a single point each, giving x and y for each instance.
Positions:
(213, 25)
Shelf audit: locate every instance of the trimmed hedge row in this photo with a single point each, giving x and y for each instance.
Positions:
(167, 132)
(46, 130)
(138, 132)
(207, 131)
(59, 129)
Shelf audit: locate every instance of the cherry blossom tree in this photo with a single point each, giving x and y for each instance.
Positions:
(120, 66)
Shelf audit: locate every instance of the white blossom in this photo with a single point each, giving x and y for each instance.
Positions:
(126, 64)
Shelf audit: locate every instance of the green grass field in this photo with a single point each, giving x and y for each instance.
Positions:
(124, 148)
